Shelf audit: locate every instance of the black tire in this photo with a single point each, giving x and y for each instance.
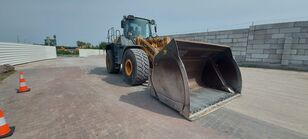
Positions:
(140, 66)
(112, 67)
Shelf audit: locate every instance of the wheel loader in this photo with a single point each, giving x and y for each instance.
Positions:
(194, 78)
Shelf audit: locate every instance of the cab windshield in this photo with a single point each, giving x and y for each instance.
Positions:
(138, 28)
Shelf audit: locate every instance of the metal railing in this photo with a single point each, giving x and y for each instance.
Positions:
(113, 34)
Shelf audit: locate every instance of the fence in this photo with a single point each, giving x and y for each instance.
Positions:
(14, 53)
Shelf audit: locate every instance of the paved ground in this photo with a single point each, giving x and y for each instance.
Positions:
(76, 98)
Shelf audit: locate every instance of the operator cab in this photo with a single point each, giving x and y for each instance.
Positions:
(138, 27)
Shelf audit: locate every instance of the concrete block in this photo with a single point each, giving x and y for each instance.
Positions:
(275, 56)
(260, 55)
(269, 51)
(252, 28)
(306, 52)
(228, 44)
(272, 31)
(296, 62)
(305, 62)
(301, 24)
(253, 59)
(299, 57)
(238, 35)
(304, 30)
(185, 38)
(272, 61)
(279, 51)
(300, 35)
(291, 40)
(240, 31)
(281, 40)
(238, 48)
(243, 53)
(221, 36)
(225, 40)
(283, 25)
(289, 35)
(261, 46)
(249, 46)
(276, 36)
(239, 45)
(276, 46)
(259, 27)
(271, 41)
(262, 37)
(201, 33)
(256, 42)
(286, 56)
(287, 51)
(210, 37)
(226, 32)
(284, 62)
(293, 51)
(213, 41)
(301, 52)
(198, 38)
(260, 32)
(255, 51)
(240, 40)
(288, 46)
(299, 46)
(303, 41)
(236, 52)
(212, 33)
(250, 37)
(290, 30)
(240, 57)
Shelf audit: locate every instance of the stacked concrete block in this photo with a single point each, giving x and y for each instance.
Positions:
(282, 45)
(237, 39)
(265, 44)
(295, 46)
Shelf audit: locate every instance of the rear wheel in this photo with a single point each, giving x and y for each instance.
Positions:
(112, 67)
(135, 66)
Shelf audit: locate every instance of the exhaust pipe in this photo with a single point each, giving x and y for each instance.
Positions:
(195, 78)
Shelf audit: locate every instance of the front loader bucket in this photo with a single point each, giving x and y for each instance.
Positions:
(195, 78)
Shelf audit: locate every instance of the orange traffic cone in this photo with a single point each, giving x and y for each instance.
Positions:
(5, 129)
(22, 83)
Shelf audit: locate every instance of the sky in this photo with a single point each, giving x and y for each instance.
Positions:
(30, 21)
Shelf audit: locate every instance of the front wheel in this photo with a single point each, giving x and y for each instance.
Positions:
(135, 66)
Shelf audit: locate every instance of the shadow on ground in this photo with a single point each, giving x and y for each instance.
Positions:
(115, 79)
(223, 121)
(144, 100)
(141, 99)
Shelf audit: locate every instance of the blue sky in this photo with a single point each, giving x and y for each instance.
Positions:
(89, 20)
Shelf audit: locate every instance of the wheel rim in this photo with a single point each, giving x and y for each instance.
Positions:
(128, 67)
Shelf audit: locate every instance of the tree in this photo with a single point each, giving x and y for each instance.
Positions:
(83, 45)
(102, 45)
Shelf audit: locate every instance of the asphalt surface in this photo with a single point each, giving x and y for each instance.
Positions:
(76, 98)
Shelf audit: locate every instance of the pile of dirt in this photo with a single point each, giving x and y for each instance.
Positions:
(6, 68)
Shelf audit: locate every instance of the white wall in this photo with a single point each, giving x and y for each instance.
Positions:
(15, 53)
(89, 52)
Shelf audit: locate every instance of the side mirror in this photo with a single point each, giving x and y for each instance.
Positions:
(122, 24)
(152, 22)
(155, 28)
